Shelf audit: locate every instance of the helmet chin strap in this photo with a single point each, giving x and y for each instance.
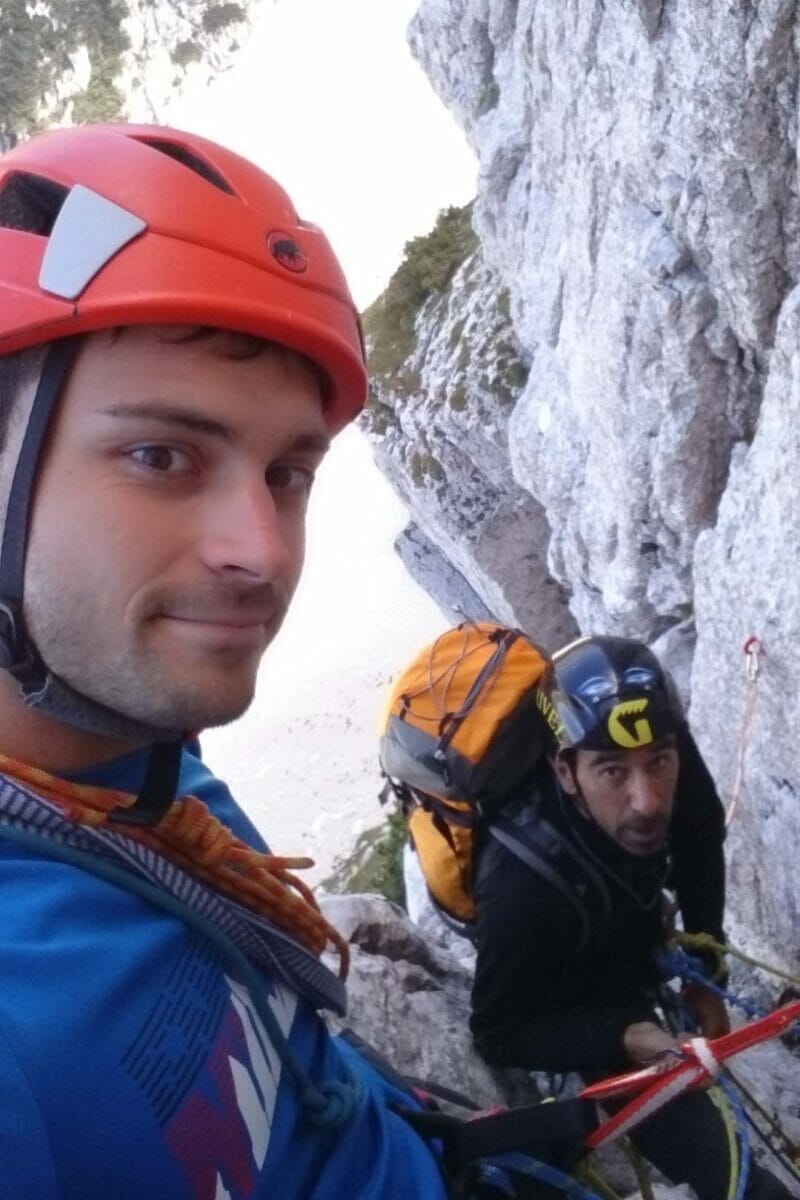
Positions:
(40, 688)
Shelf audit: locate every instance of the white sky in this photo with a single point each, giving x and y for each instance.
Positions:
(326, 97)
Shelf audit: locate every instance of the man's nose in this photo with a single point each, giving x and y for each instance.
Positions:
(647, 796)
(247, 534)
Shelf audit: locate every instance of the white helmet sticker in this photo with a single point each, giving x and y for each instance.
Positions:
(88, 231)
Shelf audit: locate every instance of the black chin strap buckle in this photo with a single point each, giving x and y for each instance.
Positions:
(158, 790)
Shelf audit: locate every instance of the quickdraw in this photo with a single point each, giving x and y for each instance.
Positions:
(701, 1061)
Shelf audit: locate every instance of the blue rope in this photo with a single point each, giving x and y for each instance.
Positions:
(687, 966)
(329, 1104)
(499, 1172)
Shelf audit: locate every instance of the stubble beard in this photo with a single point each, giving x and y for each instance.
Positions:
(138, 680)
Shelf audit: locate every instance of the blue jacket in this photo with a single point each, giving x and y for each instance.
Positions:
(134, 1065)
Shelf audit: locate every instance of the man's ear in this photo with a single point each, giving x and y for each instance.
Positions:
(564, 774)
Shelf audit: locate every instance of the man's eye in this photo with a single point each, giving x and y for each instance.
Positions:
(163, 459)
(611, 772)
(289, 479)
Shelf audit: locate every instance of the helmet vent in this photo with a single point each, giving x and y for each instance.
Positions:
(188, 159)
(30, 203)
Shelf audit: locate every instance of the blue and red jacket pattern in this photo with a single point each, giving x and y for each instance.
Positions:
(134, 1065)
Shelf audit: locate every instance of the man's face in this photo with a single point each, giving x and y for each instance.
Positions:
(628, 793)
(168, 522)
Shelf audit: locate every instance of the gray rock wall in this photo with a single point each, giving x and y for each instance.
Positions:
(440, 432)
(638, 202)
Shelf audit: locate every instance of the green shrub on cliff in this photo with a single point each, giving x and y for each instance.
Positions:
(375, 863)
(429, 264)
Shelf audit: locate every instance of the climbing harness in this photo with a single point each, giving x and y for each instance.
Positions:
(752, 649)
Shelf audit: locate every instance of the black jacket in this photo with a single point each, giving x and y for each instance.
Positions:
(537, 1000)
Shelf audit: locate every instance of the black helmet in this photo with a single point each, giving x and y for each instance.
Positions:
(606, 693)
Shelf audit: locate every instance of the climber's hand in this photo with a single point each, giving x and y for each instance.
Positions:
(645, 1042)
(709, 1009)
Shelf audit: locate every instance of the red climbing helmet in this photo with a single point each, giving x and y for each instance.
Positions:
(138, 224)
(113, 225)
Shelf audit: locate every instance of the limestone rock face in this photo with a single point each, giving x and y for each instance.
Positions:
(746, 585)
(638, 219)
(408, 991)
(440, 434)
(409, 998)
(644, 273)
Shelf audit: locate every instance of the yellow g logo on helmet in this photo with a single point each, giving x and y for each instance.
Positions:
(642, 734)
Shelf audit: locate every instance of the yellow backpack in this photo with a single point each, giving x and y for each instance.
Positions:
(460, 735)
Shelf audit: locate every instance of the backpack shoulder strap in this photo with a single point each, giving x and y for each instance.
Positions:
(537, 843)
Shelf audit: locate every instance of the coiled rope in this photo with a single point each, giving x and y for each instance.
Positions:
(194, 839)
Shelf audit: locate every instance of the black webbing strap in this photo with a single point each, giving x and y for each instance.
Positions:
(508, 835)
(158, 789)
(14, 647)
(15, 532)
(554, 1133)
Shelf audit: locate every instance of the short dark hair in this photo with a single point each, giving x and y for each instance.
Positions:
(239, 346)
(25, 366)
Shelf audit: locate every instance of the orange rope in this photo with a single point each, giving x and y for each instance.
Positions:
(194, 839)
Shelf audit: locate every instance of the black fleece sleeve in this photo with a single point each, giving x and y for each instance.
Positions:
(698, 834)
(533, 1003)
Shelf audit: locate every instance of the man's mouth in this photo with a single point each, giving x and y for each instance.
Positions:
(645, 836)
(233, 620)
(225, 627)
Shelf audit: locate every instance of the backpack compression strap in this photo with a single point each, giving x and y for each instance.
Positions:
(555, 1132)
(549, 855)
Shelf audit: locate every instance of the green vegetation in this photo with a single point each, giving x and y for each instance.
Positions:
(429, 263)
(489, 97)
(381, 416)
(407, 382)
(513, 375)
(40, 44)
(517, 375)
(375, 864)
(423, 466)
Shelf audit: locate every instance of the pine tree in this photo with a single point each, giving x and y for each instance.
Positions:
(45, 46)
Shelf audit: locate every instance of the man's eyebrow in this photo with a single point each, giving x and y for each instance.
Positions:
(185, 418)
(316, 443)
(167, 414)
(608, 756)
